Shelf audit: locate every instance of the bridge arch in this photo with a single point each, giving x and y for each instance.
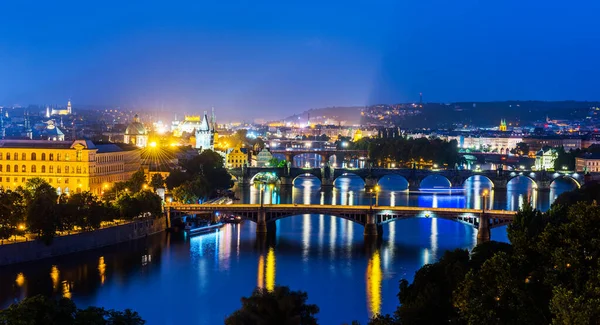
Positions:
(566, 177)
(431, 181)
(310, 175)
(343, 180)
(476, 177)
(266, 177)
(393, 182)
(515, 176)
(308, 160)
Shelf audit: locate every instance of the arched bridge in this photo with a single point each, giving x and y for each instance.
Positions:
(371, 217)
(542, 180)
(325, 154)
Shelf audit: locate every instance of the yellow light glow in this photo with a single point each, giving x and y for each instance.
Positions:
(55, 276)
(102, 269)
(21, 226)
(20, 279)
(153, 144)
(374, 284)
(270, 278)
(261, 272)
(485, 192)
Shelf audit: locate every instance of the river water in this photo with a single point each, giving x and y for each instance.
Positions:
(175, 279)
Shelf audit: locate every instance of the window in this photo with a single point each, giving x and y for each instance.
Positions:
(50, 180)
(0, 168)
(79, 154)
(16, 170)
(33, 169)
(51, 157)
(43, 156)
(33, 156)
(78, 170)
(8, 156)
(15, 156)
(67, 181)
(66, 169)
(23, 169)
(22, 179)
(58, 170)
(57, 157)
(43, 168)
(23, 156)
(51, 169)
(8, 168)
(0, 156)
(67, 157)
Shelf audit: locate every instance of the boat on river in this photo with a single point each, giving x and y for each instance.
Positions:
(203, 228)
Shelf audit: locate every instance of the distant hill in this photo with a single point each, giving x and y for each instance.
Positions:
(333, 115)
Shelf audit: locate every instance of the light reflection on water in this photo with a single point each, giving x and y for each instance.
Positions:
(205, 276)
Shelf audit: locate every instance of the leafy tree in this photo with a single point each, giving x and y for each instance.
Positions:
(42, 216)
(522, 149)
(42, 310)
(137, 181)
(175, 179)
(129, 207)
(12, 213)
(280, 306)
(191, 191)
(149, 202)
(276, 162)
(157, 181)
(87, 210)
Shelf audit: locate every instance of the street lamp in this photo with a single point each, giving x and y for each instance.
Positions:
(371, 192)
(484, 199)
(377, 195)
(262, 193)
(564, 167)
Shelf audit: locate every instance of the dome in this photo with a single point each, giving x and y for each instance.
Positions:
(135, 127)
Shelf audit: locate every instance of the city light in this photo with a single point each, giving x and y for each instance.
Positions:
(152, 144)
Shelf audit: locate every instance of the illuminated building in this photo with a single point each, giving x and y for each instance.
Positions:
(544, 159)
(588, 163)
(70, 167)
(61, 111)
(136, 133)
(189, 124)
(205, 134)
(236, 158)
(52, 133)
(263, 158)
(502, 125)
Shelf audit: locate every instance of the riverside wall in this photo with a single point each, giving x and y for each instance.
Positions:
(36, 250)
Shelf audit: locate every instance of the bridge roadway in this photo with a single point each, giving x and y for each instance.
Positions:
(371, 217)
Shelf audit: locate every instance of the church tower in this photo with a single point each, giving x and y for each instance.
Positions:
(69, 107)
(503, 125)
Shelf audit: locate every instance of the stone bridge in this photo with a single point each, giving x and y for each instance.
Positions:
(542, 180)
(325, 154)
(371, 217)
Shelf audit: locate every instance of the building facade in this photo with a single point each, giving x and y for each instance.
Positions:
(588, 163)
(205, 134)
(263, 158)
(237, 158)
(70, 167)
(544, 159)
(136, 133)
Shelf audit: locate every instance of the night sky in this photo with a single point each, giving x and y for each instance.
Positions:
(273, 58)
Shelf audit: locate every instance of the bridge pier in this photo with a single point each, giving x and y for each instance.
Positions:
(370, 183)
(543, 186)
(286, 181)
(326, 183)
(371, 226)
(261, 221)
(483, 230)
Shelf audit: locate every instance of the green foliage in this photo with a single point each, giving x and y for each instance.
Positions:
(280, 306)
(176, 178)
(157, 181)
(406, 152)
(139, 204)
(42, 310)
(42, 216)
(565, 159)
(207, 174)
(12, 213)
(522, 149)
(191, 191)
(276, 162)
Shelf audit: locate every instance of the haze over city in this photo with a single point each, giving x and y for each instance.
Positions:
(270, 57)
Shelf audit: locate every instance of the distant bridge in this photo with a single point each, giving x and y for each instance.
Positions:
(542, 180)
(371, 217)
(325, 154)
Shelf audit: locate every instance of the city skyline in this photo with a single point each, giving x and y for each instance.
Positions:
(267, 57)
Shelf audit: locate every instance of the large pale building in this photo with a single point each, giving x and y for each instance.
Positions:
(69, 166)
(136, 133)
(59, 111)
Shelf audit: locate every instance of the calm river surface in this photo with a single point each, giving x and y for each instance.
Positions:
(175, 279)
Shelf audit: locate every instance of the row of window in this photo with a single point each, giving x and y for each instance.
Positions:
(111, 158)
(24, 179)
(51, 156)
(15, 169)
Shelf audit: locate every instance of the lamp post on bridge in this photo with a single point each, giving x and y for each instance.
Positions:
(483, 229)
(484, 195)
(375, 194)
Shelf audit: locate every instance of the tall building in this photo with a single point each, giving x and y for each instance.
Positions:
(136, 133)
(60, 111)
(206, 132)
(69, 166)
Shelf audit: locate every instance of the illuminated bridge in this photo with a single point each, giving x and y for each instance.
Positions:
(371, 217)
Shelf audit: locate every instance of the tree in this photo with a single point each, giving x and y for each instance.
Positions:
(280, 306)
(157, 181)
(176, 178)
(12, 213)
(137, 181)
(86, 209)
(42, 310)
(522, 149)
(276, 162)
(42, 216)
(149, 202)
(191, 191)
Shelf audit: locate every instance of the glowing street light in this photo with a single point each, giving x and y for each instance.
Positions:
(484, 195)
(153, 144)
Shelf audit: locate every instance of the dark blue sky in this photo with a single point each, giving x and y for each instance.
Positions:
(274, 57)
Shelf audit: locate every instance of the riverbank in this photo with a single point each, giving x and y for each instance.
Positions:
(21, 252)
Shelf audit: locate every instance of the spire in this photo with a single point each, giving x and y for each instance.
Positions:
(69, 106)
(47, 111)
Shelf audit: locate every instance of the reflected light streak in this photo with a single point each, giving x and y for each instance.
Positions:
(261, 272)
(391, 242)
(238, 239)
(332, 236)
(426, 256)
(321, 233)
(374, 276)
(55, 276)
(67, 287)
(322, 200)
(270, 278)
(392, 199)
(434, 203)
(306, 194)
(306, 228)
(102, 269)
(351, 198)
(349, 236)
(434, 237)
